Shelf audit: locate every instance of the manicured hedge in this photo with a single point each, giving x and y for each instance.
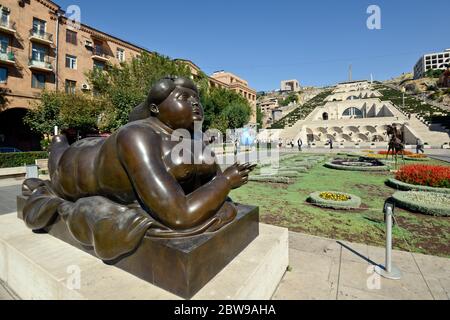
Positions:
(273, 179)
(399, 185)
(429, 203)
(296, 169)
(353, 203)
(417, 159)
(18, 159)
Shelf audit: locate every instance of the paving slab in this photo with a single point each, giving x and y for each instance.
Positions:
(332, 269)
(4, 293)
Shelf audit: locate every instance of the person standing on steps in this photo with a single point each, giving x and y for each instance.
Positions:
(300, 144)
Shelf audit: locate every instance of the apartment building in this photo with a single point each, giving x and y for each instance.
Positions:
(432, 61)
(41, 49)
(239, 85)
(227, 80)
(290, 85)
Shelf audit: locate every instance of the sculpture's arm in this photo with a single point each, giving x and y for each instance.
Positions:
(140, 153)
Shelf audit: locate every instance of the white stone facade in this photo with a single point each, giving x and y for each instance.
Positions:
(431, 61)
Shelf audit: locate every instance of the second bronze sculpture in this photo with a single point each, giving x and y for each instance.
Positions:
(112, 192)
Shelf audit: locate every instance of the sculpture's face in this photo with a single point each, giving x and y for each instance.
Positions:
(181, 109)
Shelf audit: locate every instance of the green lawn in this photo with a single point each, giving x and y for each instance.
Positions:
(286, 206)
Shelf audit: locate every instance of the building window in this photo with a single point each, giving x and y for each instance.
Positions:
(98, 65)
(3, 75)
(4, 43)
(71, 37)
(39, 26)
(71, 62)
(38, 81)
(120, 55)
(4, 19)
(353, 112)
(71, 86)
(38, 53)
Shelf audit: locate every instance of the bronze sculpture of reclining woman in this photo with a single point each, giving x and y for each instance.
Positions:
(112, 192)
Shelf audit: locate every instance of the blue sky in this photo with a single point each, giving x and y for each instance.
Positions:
(267, 41)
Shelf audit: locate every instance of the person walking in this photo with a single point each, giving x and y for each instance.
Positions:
(419, 146)
(300, 144)
(331, 143)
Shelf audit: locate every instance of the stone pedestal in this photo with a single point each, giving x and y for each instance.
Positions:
(39, 266)
(181, 266)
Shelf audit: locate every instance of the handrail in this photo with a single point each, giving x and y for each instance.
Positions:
(41, 34)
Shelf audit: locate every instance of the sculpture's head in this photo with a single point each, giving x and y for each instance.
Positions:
(174, 101)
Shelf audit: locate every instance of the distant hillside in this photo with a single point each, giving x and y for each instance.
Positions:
(425, 89)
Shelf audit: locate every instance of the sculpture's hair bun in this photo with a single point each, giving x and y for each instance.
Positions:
(164, 87)
(158, 93)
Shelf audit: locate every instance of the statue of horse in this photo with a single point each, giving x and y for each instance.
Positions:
(396, 141)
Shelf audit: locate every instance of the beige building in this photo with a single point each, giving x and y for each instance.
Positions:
(41, 49)
(239, 85)
(230, 81)
(290, 85)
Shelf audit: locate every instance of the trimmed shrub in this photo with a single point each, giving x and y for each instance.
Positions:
(19, 159)
(430, 203)
(351, 202)
(272, 179)
(425, 175)
(417, 158)
(399, 185)
(295, 169)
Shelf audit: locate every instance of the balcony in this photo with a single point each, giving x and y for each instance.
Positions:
(99, 54)
(7, 58)
(7, 26)
(41, 37)
(38, 65)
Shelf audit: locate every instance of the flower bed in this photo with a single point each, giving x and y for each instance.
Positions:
(425, 175)
(361, 164)
(430, 203)
(334, 196)
(404, 152)
(334, 200)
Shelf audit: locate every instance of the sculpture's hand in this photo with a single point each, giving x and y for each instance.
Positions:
(237, 174)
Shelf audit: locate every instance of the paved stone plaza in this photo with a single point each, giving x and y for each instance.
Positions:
(330, 269)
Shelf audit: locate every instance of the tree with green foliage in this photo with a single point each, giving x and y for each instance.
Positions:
(259, 117)
(225, 109)
(127, 85)
(77, 111)
(434, 73)
(293, 97)
(120, 88)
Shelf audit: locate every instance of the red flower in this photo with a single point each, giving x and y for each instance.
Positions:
(425, 175)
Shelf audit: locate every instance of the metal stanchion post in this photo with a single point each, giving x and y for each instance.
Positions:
(389, 271)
